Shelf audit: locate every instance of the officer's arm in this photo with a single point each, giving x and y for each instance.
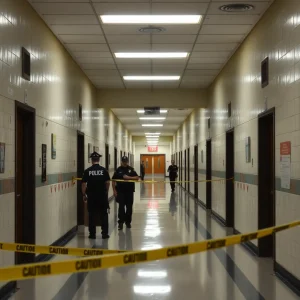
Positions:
(133, 177)
(114, 183)
(107, 183)
(83, 183)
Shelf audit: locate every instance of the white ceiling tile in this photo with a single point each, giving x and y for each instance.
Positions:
(129, 39)
(172, 47)
(173, 39)
(204, 66)
(130, 47)
(138, 85)
(130, 61)
(98, 66)
(212, 60)
(216, 38)
(122, 8)
(179, 8)
(63, 8)
(134, 67)
(87, 47)
(91, 54)
(165, 71)
(170, 67)
(57, 1)
(166, 85)
(209, 54)
(162, 61)
(100, 72)
(201, 72)
(105, 78)
(80, 38)
(216, 47)
(85, 60)
(193, 85)
(231, 19)
(136, 72)
(76, 29)
(225, 29)
(198, 78)
(112, 85)
(70, 19)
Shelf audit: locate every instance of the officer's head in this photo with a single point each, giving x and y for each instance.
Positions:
(95, 157)
(172, 162)
(124, 161)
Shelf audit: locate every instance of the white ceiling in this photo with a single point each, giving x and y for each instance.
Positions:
(92, 44)
(130, 119)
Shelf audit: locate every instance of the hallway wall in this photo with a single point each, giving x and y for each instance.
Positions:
(277, 36)
(57, 87)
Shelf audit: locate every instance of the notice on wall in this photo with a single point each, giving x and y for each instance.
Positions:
(44, 162)
(285, 165)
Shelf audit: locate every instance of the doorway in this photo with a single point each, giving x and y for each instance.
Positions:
(25, 180)
(106, 157)
(121, 156)
(181, 166)
(185, 167)
(229, 220)
(115, 158)
(196, 171)
(155, 164)
(80, 170)
(266, 180)
(208, 174)
(188, 170)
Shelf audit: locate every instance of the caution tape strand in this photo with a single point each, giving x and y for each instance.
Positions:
(122, 259)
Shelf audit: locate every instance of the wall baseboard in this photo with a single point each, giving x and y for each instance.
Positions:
(218, 218)
(253, 249)
(287, 278)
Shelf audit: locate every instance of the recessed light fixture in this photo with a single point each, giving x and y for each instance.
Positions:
(152, 125)
(141, 111)
(152, 133)
(152, 55)
(151, 78)
(152, 136)
(152, 118)
(151, 19)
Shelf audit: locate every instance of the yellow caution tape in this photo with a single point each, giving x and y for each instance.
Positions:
(160, 181)
(54, 250)
(28, 271)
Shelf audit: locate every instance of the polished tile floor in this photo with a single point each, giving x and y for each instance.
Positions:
(163, 219)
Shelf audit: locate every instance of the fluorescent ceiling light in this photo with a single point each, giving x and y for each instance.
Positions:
(152, 133)
(141, 111)
(152, 136)
(151, 78)
(152, 118)
(152, 125)
(151, 55)
(151, 19)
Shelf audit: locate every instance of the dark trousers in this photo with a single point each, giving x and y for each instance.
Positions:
(172, 178)
(142, 176)
(125, 201)
(93, 215)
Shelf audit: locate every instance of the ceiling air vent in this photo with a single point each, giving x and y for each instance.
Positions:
(236, 7)
(152, 110)
(151, 29)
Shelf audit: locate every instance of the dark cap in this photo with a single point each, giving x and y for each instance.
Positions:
(95, 155)
(124, 158)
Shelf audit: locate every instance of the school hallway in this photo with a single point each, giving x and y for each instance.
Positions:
(161, 219)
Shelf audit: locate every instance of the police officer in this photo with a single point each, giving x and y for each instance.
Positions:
(95, 186)
(123, 192)
(173, 169)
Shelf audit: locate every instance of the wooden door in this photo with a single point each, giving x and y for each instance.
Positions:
(148, 164)
(159, 164)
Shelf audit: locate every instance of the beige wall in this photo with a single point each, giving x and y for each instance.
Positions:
(278, 36)
(57, 87)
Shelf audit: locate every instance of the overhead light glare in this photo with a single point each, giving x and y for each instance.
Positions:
(141, 111)
(151, 19)
(152, 133)
(151, 289)
(151, 55)
(152, 136)
(152, 125)
(151, 78)
(152, 118)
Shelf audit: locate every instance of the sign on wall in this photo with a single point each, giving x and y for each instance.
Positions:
(53, 146)
(44, 162)
(2, 157)
(152, 148)
(285, 165)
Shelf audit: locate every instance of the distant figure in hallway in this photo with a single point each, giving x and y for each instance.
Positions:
(123, 192)
(142, 170)
(173, 169)
(94, 187)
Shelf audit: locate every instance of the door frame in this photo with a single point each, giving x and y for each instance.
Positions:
(208, 200)
(188, 170)
(146, 154)
(115, 158)
(196, 166)
(80, 204)
(185, 167)
(229, 219)
(28, 211)
(269, 112)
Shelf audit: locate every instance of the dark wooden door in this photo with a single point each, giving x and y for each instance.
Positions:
(229, 175)
(196, 171)
(208, 174)
(80, 170)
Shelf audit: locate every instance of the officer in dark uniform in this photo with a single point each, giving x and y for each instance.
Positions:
(123, 192)
(95, 186)
(173, 169)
